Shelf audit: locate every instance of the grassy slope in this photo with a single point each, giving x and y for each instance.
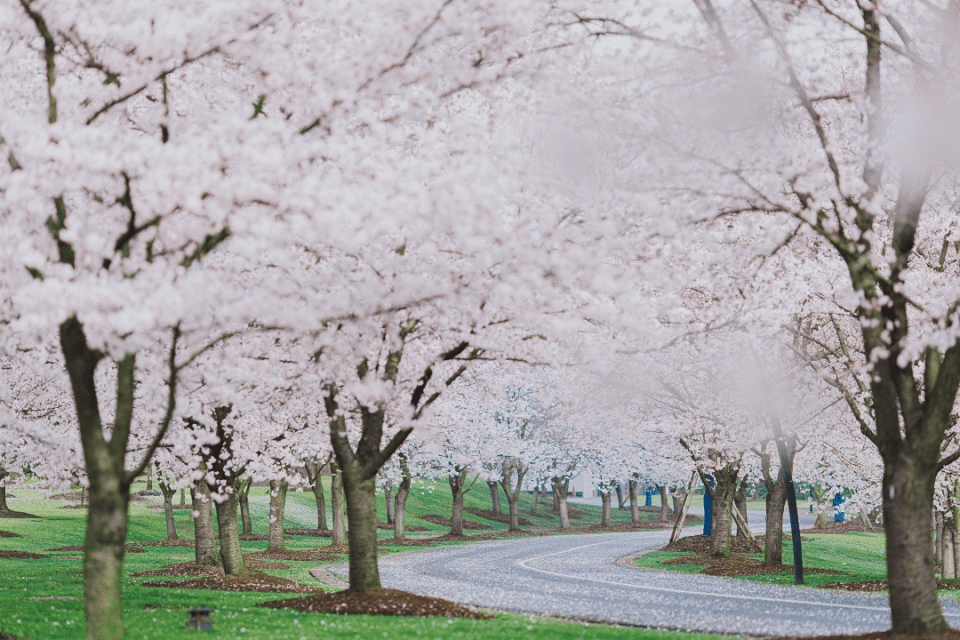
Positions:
(161, 613)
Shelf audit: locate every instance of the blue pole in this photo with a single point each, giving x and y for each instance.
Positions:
(707, 510)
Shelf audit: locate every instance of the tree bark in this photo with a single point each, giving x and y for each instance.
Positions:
(3, 499)
(939, 544)
(361, 498)
(721, 537)
(560, 496)
(536, 499)
(278, 503)
(494, 496)
(104, 546)
(168, 493)
(605, 500)
(400, 507)
(316, 484)
(243, 494)
(183, 497)
(775, 502)
(228, 516)
(620, 500)
(456, 490)
(634, 502)
(665, 505)
(740, 500)
(949, 569)
(388, 498)
(512, 493)
(337, 499)
(203, 535)
(907, 507)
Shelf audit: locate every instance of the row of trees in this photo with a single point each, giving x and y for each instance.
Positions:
(276, 217)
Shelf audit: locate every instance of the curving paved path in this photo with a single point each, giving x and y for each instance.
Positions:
(576, 576)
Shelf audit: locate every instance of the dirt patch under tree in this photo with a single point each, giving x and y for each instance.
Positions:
(22, 555)
(383, 602)
(472, 525)
(250, 581)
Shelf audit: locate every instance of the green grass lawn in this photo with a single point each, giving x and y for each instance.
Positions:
(43, 598)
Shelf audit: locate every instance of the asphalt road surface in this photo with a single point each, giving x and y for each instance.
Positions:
(577, 576)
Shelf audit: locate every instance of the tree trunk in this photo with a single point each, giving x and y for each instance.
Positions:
(3, 499)
(337, 504)
(773, 538)
(243, 494)
(183, 497)
(740, 500)
(456, 490)
(939, 544)
(361, 499)
(400, 508)
(228, 516)
(104, 545)
(907, 507)
(955, 531)
(634, 502)
(605, 511)
(278, 503)
(536, 499)
(204, 540)
(560, 496)
(949, 570)
(168, 493)
(723, 494)
(512, 493)
(665, 505)
(388, 498)
(494, 496)
(620, 499)
(556, 501)
(149, 478)
(678, 501)
(316, 484)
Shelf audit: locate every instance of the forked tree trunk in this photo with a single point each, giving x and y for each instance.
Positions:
(168, 493)
(337, 499)
(560, 496)
(400, 508)
(243, 495)
(388, 498)
(632, 486)
(512, 493)
(665, 505)
(456, 490)
(773, 537)
(605, 510)
(228, 516)
(494, 496)
(203, 534)
(278, 503)
(721, 536)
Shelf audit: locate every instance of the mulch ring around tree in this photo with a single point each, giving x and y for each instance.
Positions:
(879, 585)
(22, 555)
(490, 514)
(185, 569)
(255, 537)
(301, 555)
(7, 636)
(700, 545)
(250, 581)
(738, 565)
(473, 525)
(17, 514)
(406, 527)
(80, 547)
(9, 534)
(952, 634)
(314, 533)
(383, 602)
(165, 543)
